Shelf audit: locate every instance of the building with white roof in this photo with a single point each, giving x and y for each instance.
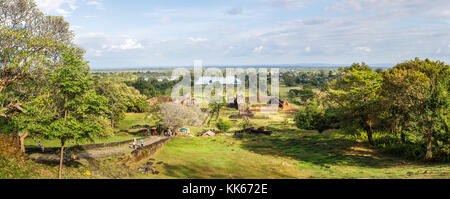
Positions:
(222, 80)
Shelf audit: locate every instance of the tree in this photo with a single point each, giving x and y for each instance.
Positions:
(215, 108)
(76, 108)
(174, 116)
(400, 93)
(29, 41)
(312, 118)
(304, 95)
(357, 94)
(224, 125)
(152, 87)
(288, 79)
(246, 123)
(121, 98)
(30, 46)
(417, 92)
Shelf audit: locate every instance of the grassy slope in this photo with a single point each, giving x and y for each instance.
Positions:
(292, 154)
(289, 153)
(18, 168)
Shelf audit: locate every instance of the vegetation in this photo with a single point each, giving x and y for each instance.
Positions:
(370, 123)
(409, 101)
(288, 154)
(151, 87)
(224, 125)
(175, 116)
(121, 99)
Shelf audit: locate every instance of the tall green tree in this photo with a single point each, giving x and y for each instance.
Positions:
(401, 92)
(29, 41)
(121, 98)
(78, 110)
(30, 46)
(420, 90)
(357, 94)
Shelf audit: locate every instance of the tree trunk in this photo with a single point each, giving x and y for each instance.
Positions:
(369, 135)
(218, 114)
(402, 136)
(22, 137)
(61, 159)
(429, 155)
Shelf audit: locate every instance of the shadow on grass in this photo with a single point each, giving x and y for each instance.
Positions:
(327, 149)
(52, 159)
(202, 171)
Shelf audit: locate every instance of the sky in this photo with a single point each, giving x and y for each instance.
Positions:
(134, 33)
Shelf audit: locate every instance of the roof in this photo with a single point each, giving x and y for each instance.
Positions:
(221, 80)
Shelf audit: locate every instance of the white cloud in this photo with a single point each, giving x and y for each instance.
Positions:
(363, 49)
(290, 4)
(197, 39)
(235, 11)
(97, 4)
(129, 44)
(258, 49)
(437, 8)
(438, 51)
(73, 27)
(308, 49)
(60, 7)
(94, 52)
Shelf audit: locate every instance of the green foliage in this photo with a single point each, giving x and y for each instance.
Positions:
(152, 87)
(304, 95)
(356, 94)
(416, 93)
(216, 107)
(309, 80)
(224, 125)
(312, 118)
(246, 123)
(73, 110)
(121, 99)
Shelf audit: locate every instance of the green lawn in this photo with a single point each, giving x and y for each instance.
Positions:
(286, 154)
(132, 119)
(284, 90)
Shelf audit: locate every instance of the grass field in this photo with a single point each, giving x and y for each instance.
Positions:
(286, 154)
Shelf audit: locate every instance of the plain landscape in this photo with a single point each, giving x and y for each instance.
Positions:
(60, 118)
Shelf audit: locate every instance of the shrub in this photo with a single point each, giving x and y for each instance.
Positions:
(246, 123)
(224, 125)
(312, 118)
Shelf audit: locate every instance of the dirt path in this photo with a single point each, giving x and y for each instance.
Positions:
(94, 153)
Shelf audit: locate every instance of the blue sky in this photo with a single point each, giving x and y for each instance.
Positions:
(118, 33)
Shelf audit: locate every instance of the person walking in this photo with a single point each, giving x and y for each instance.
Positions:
(134, 144)
(142, 142)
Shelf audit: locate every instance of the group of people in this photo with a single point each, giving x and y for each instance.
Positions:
(169, 133)
(135, 143)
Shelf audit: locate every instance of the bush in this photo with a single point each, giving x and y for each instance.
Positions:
(246, 123)
(312, 118)
(224, 125)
